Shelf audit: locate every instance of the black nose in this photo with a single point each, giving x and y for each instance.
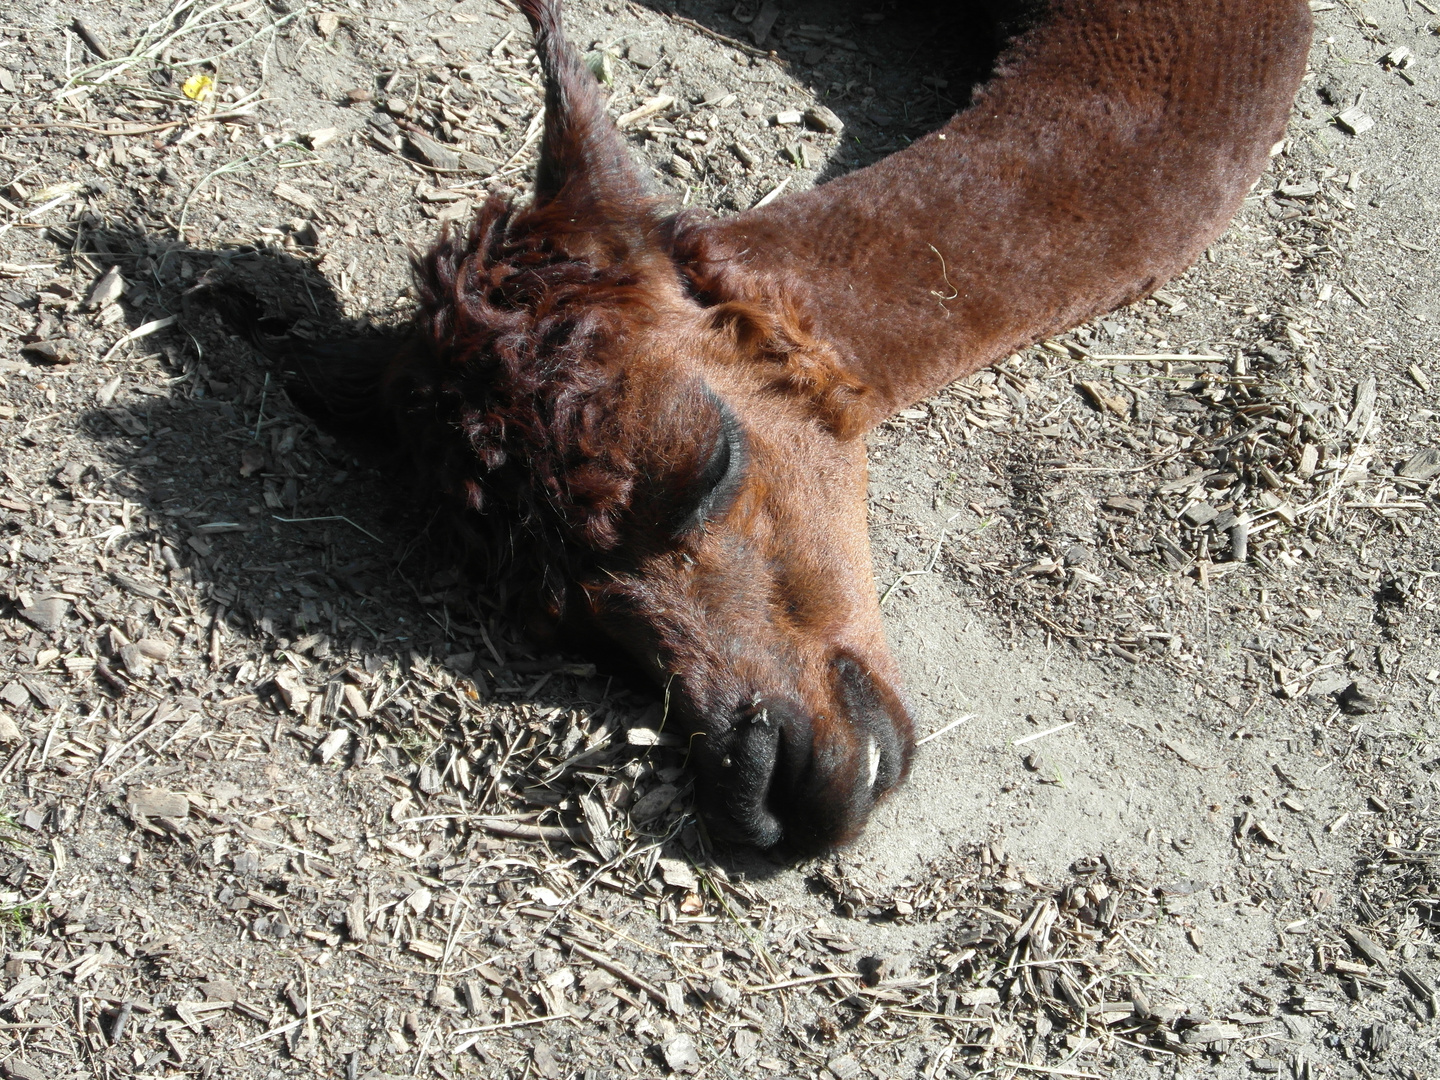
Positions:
(811, 779)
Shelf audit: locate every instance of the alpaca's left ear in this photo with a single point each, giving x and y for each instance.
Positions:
(584, 162)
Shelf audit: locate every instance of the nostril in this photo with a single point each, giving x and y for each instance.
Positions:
(753, 760)
(877, 714)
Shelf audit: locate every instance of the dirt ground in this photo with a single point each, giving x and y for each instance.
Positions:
(283, 792)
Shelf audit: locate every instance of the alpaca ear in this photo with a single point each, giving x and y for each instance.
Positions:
(805, 367)
(585, 164)
(754, 330)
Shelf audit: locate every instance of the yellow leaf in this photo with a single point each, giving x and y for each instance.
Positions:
(198, 87)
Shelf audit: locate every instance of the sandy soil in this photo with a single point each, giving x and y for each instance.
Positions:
(283, 793)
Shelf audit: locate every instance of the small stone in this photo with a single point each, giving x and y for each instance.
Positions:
(106, 290)
(443, 997)
(9, 730)
(47, 614)
(56, 351)
(1360, 698)
(358, 96)
(679, 1053)
(819, 118)
(788, 118)
(327, 22)
(986, 995)
(1078, 555)
(644, 54)
(1200, 514)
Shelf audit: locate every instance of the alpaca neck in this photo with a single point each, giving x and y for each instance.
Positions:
(1115, 145)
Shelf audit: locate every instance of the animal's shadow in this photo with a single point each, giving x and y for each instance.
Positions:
(232, 507)
(890, 71)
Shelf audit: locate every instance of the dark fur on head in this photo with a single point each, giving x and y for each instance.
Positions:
(507, 397)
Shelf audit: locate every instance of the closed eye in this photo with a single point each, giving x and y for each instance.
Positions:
(718, 482)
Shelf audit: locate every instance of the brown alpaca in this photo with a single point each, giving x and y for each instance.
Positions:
(666, 412)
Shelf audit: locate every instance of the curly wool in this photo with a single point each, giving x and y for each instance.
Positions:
(509, 393)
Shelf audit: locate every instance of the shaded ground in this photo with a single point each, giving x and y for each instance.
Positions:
(282, 793)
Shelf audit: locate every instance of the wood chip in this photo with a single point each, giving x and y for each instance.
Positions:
(155, 802)
(322, 137)
(1199, 514)
(1125, 504)
(433, 152)
(1422, 466)
(764, 21)
(1418, 984)
(651, 107)
(1366, 947)
(332, 744)
(296, 197)
(1101, 397)
(46, 614)
(819, 118)
(1355, 120)
(355, 923)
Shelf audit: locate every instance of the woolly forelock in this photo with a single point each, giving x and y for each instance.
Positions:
(509, 397)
